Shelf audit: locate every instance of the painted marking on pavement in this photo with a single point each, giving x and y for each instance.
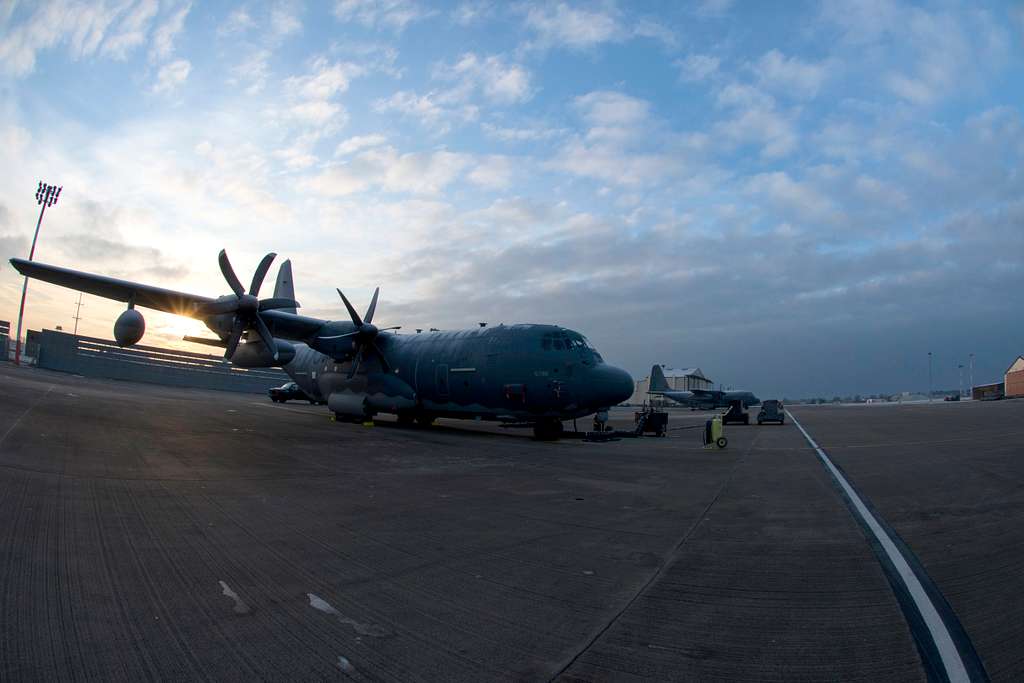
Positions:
(941, 640)
(27, 411)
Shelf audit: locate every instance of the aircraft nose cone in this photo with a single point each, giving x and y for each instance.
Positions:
(610, 386)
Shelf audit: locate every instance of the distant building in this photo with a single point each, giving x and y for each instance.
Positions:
(1015, 378)
(988, 392)
(680, 379)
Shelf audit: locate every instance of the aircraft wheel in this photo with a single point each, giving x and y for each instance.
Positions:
(722, 442)
(547, 431)
(424, 420)
(406, 419)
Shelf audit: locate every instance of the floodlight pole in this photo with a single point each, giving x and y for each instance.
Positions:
(972, 376)
(78, 312)
(929, 376)
(46, 195)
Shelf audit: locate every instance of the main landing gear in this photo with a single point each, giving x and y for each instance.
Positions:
(547, 430)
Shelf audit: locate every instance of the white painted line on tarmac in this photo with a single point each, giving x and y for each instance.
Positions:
(951, 661)
(27, 411)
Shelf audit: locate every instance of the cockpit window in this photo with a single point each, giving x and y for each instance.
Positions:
(564, 340)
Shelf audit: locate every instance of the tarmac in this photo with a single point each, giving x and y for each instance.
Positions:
(158, 533)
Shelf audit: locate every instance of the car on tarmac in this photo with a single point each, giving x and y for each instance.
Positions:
(772, 410)
(287, 392)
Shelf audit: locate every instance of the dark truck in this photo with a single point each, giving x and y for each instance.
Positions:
(772, 411)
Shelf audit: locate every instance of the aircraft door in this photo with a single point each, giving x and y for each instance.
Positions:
(441, 381)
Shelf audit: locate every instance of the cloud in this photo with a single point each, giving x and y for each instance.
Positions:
(164, 35)
(608, 108)
(468, 13)
(239, 21)
(434, 109)
(493, 172)
(82, 27)
(499, 81)
(521, 134)
(284, 19)
(792, 198)
(755, 119)
(789, 75)
(252, 71)
(926, 56)
(697, 67)
(172, 76)
(131, 30)
(424, 173)
(359, 142)
(392, 14)
(564, 26)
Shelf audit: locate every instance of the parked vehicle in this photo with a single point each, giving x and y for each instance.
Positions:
(952, 397)
(771, 411)
(287, 392)
(737, 413)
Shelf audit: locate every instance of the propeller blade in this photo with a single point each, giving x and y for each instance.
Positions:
(218, 307)
(373, 306)
(229, 273)
(261, 272)
(351, 311)
(385, 365)
(355, 363)
(236, 336)
(279, 302)
(264, 332)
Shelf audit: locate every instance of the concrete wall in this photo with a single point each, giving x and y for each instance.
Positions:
(93, 357)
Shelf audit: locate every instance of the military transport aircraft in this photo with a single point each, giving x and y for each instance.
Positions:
(698, 399)
(532, 375)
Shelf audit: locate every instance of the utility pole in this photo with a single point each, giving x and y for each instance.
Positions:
(78, 313)
(929, 376)
(972, 376)
(960, 366)
(46, 195)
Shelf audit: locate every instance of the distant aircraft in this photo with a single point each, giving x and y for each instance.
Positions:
(534, 375)
(698, 399)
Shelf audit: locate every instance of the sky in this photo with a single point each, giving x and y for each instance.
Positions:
(801, 199)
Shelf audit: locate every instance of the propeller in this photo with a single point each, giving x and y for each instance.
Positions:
(365, 334)
(246, 306)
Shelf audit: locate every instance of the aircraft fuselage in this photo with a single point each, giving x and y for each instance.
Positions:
(513, 373)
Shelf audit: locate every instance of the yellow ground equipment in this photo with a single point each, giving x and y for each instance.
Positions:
(714, 436)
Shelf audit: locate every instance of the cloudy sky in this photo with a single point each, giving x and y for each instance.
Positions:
(799, 198)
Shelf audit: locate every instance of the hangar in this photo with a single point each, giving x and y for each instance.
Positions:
(680, 379)
(1015, 378)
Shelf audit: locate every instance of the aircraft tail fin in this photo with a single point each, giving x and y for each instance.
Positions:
(658, 381)
(285, 288)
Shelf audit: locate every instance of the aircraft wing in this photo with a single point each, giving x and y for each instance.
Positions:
(166, 300)
(282, 324)
(706, 393)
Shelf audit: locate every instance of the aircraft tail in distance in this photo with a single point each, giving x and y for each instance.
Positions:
(658, 381)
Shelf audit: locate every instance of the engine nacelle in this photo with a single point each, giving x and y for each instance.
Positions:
(129, 328)
(256, 355)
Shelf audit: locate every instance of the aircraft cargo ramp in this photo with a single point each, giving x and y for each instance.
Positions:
(161, 533)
